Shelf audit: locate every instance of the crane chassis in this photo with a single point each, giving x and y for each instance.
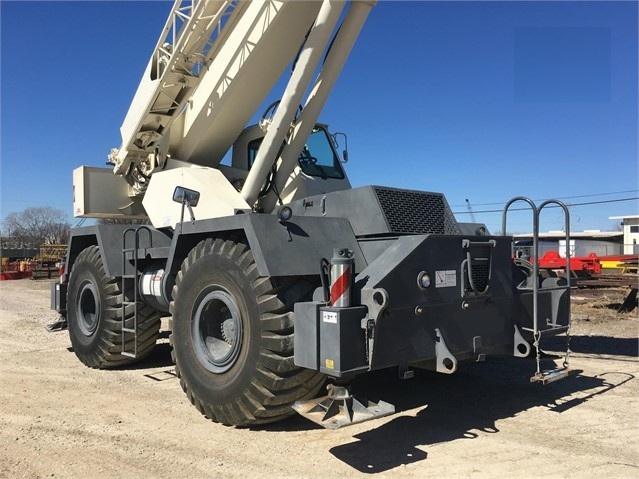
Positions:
(277, 275)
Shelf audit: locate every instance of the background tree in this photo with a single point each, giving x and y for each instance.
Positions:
(36, 226)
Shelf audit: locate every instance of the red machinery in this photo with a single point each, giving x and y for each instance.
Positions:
(579, 265)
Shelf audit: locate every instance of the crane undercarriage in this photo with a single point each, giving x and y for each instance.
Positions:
(277, 275)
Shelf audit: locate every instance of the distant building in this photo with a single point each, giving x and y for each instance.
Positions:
(630, 233)
(582, 243)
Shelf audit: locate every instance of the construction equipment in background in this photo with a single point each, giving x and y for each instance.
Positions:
(34, 263)
(624, 263)
(579, 266)
(470, 211)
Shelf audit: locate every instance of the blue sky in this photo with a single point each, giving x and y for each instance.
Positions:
(478, 100)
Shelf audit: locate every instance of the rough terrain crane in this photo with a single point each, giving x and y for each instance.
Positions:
(278, 277)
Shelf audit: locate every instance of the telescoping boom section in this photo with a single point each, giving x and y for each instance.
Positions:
(213, 66)
(281, 282)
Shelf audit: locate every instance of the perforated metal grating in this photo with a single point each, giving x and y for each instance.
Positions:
(479, 273)
(416, 212)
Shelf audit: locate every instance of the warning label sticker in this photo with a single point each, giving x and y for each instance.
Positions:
(445, 279)
(329, 317)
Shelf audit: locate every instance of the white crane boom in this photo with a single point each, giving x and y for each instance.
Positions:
(183, 50)
(212, 68)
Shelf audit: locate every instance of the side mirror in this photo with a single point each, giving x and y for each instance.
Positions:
(336, 144)
(185, 196)
(188, 198)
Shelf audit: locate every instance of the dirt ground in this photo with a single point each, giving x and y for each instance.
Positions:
(61, 419)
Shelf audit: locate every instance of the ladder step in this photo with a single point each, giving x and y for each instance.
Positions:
(132, 254)
(547, 288)
(554, 327)
(547, 377)
(557, 328)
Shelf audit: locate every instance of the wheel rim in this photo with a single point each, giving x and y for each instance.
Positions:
(88, 308)
(217, 330)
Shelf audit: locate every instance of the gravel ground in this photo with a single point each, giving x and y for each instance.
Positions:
(61, 419)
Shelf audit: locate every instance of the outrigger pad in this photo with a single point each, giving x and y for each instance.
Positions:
(339, 408)
(59, 325)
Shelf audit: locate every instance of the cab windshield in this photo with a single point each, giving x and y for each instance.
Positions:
(317, 158)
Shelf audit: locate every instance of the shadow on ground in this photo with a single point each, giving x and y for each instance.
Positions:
(160, 357)
(594, 345)
(460, 406)
(451, 407)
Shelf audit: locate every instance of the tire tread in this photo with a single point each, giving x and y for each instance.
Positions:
(106, 352)
(277, 383)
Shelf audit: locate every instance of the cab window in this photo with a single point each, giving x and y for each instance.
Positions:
(317, 158)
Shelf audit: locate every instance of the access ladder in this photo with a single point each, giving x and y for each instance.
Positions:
(532, 285)
(130, 256)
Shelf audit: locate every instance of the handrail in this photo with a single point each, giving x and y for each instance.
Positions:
(567, 228)
(535, 254)
(535, 279)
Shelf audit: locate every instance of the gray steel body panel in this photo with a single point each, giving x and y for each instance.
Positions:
(59, 298)
(287, 248)
(374, 247)
(376, 210)
(471, 228)
(342, 349)
(405, 329)
(280, 248)
(307, 335)
(409, 326)
(109, 239)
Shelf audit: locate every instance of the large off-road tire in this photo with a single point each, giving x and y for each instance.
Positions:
(94, 313)
(233, 336)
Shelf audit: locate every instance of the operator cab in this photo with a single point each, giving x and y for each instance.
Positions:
(319, 167)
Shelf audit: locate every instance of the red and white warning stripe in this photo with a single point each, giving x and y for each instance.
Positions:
(341, 279)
